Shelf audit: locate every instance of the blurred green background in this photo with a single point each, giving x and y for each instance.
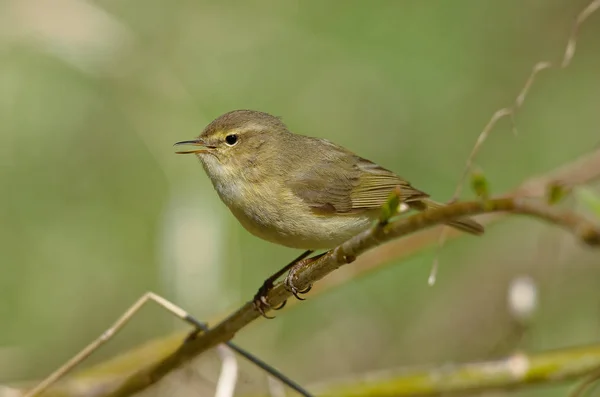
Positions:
(96, 209)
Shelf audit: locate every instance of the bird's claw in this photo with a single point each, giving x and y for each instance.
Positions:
(261, 304)
(289, 285)
(260, 300)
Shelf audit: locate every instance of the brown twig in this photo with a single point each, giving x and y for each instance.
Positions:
(520, 99)
(584, 230)
(511, 112)
(583, 170)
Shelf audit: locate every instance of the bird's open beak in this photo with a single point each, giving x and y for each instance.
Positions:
(204, 148)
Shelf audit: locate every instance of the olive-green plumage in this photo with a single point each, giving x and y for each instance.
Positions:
(295, 190)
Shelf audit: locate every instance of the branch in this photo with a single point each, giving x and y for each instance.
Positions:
(515, 371)
(584, 230)
(583, 170)
(511, 111)
(106, 376)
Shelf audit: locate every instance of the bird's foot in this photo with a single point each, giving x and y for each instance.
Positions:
(289, 282)
(261, 304)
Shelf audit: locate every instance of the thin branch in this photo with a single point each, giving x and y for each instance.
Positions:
(515, 371)
(572, 43)
(583, 229)
(229, 365)
(583, 170)
(511, 112)
(105, 337)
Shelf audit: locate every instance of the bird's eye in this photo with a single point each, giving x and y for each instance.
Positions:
(231, 139)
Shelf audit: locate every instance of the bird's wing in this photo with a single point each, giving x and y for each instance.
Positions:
(375, 185)
(343, 183)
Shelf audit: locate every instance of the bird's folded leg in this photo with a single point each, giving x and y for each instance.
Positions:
(289, 279)
(260, 301)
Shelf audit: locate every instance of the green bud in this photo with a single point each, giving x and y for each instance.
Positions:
(391, 207)
(555, 192)
(480, 185)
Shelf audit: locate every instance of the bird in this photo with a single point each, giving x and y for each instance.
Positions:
(295, 190)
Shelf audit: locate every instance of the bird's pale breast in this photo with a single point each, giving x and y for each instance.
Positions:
(281, 217)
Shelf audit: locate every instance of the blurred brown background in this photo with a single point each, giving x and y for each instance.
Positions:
(95, 208)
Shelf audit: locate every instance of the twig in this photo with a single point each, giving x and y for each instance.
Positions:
(182, 314)
(586, 231)
(511, 112)
(583, 170)
(572, 43)
(105, 337)
(520, 99)
(511, 372)
(517, 370)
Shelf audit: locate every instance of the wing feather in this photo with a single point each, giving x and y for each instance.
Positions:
(375, 185)
(344, 183)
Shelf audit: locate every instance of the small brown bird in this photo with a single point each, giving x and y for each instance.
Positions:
(294, 190)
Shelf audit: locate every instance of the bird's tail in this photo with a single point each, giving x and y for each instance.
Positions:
(464, 224)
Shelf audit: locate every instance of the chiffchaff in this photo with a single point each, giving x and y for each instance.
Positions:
(295, 190)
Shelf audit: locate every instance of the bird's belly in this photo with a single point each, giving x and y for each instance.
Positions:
(278, 216)
(328, 232)
(306, 231)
